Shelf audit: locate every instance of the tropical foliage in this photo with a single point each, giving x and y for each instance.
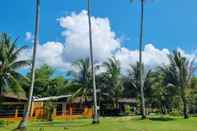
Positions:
(113, 78)
(168, 89)
(134, 79)
(81, 79)
(10, 64)
(178, 74)
(46, 83)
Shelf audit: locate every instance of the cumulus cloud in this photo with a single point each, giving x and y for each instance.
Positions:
(105, 44)
(76, 44)
(50, 53)
(29, 36)
(76, 36)
(152, 56)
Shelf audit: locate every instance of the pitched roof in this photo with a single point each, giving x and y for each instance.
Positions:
(127, 100)
(51, 98)
(13, 95)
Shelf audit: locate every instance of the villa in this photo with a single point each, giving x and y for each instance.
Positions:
(12, 106)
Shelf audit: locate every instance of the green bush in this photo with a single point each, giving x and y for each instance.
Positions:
(128, 109)
(48, 110)
(175, 113)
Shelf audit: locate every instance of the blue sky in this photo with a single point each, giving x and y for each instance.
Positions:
(168, 23)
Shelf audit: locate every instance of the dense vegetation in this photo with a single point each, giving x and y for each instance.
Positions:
(168, 89)
(9, 65)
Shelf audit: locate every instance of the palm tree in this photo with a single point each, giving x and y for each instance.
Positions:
(113, 75)
(143, 113)
(9, 64)
(159, 95)
(23, 124)
(96, 116)
(81, 75)
(140, 78)
(179, 75)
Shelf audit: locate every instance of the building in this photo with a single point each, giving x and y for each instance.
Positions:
(12, 106)
(64, 107)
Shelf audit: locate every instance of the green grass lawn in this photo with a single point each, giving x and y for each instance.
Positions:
(113, 124)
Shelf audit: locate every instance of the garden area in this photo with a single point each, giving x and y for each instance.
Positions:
(134, 123)
(92, 80)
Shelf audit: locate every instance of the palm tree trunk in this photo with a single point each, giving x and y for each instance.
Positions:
(95, 116)
(143, 111)
(23, 124)
(185, 107)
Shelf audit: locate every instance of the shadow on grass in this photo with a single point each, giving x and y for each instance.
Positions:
(161, 119)
(2, 123)
(66, 125)
(194, 115)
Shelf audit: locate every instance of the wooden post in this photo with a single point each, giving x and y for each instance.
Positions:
(32, 109)
(70, 111)
(55, 112)
(16, 113)
(63, 109)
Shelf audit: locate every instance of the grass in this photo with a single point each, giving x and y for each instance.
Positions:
(2, 123)
(114, 124)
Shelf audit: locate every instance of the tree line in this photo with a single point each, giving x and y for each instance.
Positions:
(168, 89)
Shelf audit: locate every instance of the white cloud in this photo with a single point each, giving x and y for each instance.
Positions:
(105, 44)
(151, 56)
(29, 36)
(76, 44)
(50, 53)
(77, 37)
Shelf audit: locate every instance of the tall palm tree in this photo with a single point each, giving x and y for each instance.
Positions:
(9, 64)
(139, 79)
(113, 75)
(143, 111)
(23, 124)
(96, 116)
(179, 75)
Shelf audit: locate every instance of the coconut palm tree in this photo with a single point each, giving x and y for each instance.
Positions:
(9, 64)
(113, 76)
(179, 74)
(159, 95)
(143, 113)
(140, 78)
(96, 116)
(23, 124)
(81, 77)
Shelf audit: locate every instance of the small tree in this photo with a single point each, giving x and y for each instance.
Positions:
(179, 74)
(48, 110)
